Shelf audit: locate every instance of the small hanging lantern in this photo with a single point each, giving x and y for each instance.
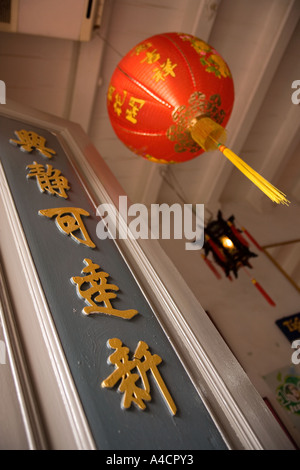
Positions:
(230, 250)
(170, 99)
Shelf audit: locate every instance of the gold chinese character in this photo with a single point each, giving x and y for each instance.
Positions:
(129, 381)
(293, 324)
(29, 140)
(119, 103)
(68, 220)
(141, 47)
(151, 57)
(49, 179)
(98, 285)
(110, 91)
(165, 69)
(135, 105)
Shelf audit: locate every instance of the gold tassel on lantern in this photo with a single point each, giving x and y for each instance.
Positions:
(210, 136)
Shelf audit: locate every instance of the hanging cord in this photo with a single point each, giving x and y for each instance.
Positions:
(176, 187)
(110, 45)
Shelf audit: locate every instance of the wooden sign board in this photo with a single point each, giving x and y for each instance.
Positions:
(131, 368)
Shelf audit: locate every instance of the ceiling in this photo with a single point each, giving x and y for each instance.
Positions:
(260, 41)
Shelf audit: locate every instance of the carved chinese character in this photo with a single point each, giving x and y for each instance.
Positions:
(49, 179)
(29, 140)
(68, 220)
(130, 372)
(96, 293)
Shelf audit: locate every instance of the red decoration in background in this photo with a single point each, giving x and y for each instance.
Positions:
(237, 233)
(212, 267)
(230, 250)
(223, 240)
(215, 249)
(160, 87)
(252, 239)
(263, 292)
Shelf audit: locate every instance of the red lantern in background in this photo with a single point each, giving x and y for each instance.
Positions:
(169, 100)
(230, 250)
(160, 87)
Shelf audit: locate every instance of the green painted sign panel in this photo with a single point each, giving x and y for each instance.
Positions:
(135, 392)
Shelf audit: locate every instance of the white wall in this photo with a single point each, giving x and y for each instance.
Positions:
(241, 314)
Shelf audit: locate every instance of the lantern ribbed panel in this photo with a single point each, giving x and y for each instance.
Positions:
(159, 87)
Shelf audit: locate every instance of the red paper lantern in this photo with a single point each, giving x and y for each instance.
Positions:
(169, 100)
(160, 87)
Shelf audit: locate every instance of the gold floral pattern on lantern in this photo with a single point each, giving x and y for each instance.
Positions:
(216, 65)
(198, 105)
(209, 57)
